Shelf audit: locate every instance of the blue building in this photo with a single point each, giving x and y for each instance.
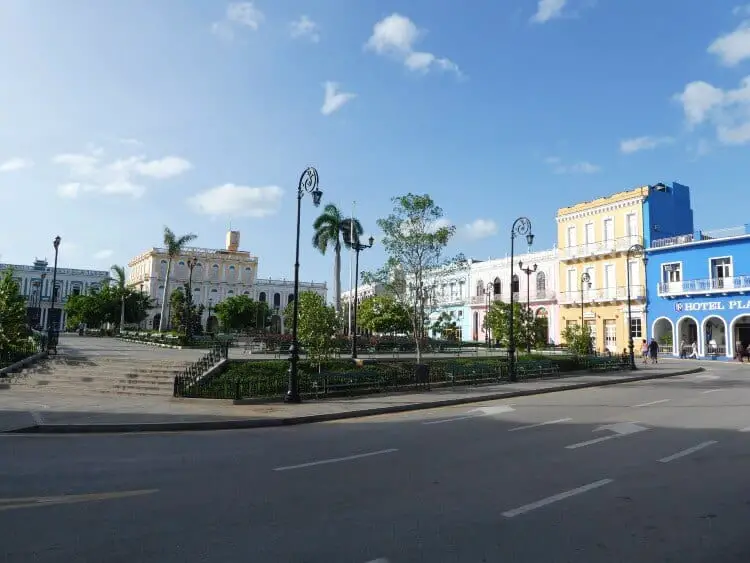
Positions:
(699, 292)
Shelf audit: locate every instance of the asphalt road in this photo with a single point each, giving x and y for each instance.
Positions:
(648, 472)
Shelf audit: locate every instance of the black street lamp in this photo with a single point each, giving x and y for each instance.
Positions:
(358, 247)
(528, 271)
(191, 264)
(51, 315)
(208, 319)
(521, 227)
(585, 281)
(140, 323)
(634, 251)
(308, 183)
(487, 292)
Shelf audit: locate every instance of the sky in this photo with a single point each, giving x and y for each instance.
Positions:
(120, 117)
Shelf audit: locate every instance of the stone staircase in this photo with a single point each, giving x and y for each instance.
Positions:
(87, 375)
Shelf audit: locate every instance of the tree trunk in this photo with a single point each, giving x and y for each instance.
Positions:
(164, 296)
(122, 311)
(337, 279)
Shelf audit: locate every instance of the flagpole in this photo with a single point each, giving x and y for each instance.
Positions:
(351, 265)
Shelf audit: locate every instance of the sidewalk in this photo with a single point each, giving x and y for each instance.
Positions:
(24, 411)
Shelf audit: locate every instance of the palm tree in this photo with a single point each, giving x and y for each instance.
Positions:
(328, 228)
(174, 246)
(119, 279)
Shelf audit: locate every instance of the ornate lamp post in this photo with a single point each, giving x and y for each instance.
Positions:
(358, 247)
(528, 271)
(521, 227)
(308, 183)
(191, 264)
(488, 291)
(585, 282)
(51, 315)
(140, 324)
(208, 319)
(634, 251)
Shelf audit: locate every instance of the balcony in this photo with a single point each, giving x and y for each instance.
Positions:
(518, 297)
(602, 295)
(599, 248)
(698, 236)
(706, 286)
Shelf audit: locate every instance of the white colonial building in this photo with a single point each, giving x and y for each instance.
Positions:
(217, 275)
(35, 283)
(491, 281)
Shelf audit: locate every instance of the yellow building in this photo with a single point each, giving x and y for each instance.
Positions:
(594, 238)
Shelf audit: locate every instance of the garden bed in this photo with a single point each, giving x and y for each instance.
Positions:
(245, 379)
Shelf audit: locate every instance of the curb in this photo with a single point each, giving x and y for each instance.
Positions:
(119, 428)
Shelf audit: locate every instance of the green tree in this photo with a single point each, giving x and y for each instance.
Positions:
(120, 280)
(578, 339)
(445, 326)
(12, 311)
(328, 229)
(498, 321)
(238, 313)
(174, 246)
(106, 306)
(414, 239)
(317, 325)
(383, 314)
(177, 304)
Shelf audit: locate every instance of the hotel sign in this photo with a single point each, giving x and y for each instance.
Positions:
(734, 305)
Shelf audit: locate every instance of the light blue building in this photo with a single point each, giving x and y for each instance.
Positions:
(451, 295)
(699, 292)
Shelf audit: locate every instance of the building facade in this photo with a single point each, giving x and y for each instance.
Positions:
(449, 305)
(600, 269)
(35, 283)
(491, 281)
(217, 275)
(699, 292)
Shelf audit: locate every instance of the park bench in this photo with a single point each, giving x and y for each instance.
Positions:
(604, 364)
(282, 350)
(537, 369)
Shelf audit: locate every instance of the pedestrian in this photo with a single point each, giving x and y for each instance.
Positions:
(694, 351)
(653, 351)
(644, 351)
(739, 351)
(683, 349)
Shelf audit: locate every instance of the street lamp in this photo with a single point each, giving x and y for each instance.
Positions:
(50, 319)
(191, 264)
(308, 183)
(488, 291)
(528, 271)
(585, 281)
(358, 247)
(634, 251)
(140, 323)
(521, 227)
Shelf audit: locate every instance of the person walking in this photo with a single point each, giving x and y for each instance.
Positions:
(644, 351)
(653, 351)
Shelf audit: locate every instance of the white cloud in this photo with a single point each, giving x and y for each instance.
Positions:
(734, 47)
(396, 36)
(727, 111)
(334, 98)
(583, 167)
(644, 143)
(14, 164)
(547, 10)
(238, 14)
(131, 142)
(304, 27)
(103, 254)
(120, 177)
(238, 201)
(481, 228)
(741, 10)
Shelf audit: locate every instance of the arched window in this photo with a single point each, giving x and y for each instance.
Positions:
(230, 293)
(232, 273)
(480, 288)
(180, 273)
(215, 272)
(277, 300)
(198, 272)
(514, 286)
(262, 297)
(163, 268)
(497, 287)
(541, 285)
(290, 298)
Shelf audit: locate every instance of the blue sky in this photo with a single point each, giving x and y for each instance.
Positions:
(117, 118)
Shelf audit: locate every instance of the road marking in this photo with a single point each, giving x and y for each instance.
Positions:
(555, 498)
(37, 417)
(475, 413)
(379, 560)
(688, 451)
(651, 403)
(558, 421)
(706, 376)
(335, 460)
(746, 429)
(590, 442)
(619, 430)
(710, 391)
(33, 502)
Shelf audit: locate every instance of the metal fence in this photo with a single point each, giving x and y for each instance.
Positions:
(193, 376)
(9, 355)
